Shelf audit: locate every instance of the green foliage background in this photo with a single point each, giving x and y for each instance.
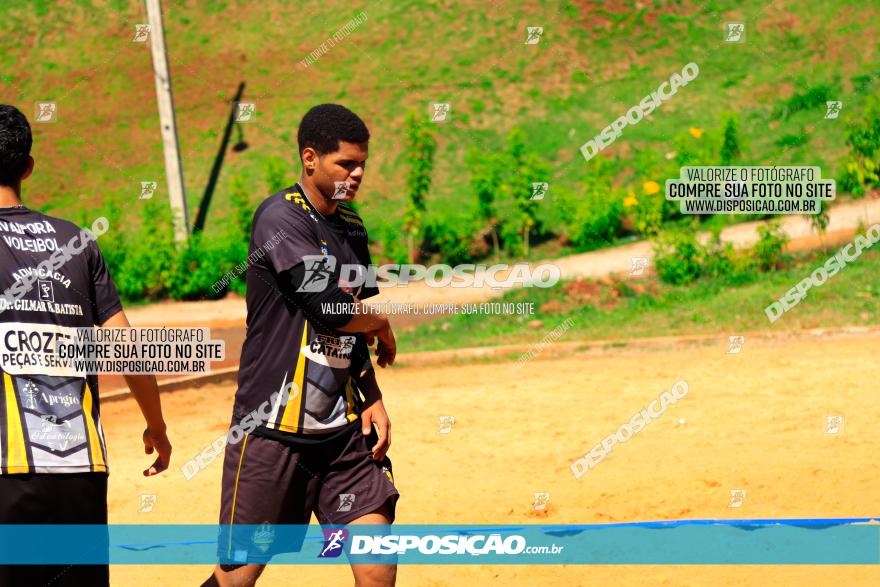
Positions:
(518, 115)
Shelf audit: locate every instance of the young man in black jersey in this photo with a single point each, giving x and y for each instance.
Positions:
(307, 393)
(53, 459)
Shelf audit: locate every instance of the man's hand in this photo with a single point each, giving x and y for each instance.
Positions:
(375, 413)
(157, 441)
(146, 393)
(386, 350)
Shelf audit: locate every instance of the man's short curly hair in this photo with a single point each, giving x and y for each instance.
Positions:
(326, 124)
(15, 144)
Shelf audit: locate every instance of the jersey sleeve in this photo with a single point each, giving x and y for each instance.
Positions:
(360, 356)
(286, 240)
(104, 296)
(364, 258)
(368, 291)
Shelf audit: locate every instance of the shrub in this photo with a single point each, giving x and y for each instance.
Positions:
(593, 216)
(793, 140)
(720, 258)
(678, 256)
(812, 97)
(859, 173)
(146, 263)
(392, 245)
(242, 208)
(862, 168)
(200, 263)
(452, 241)
(646, 209)
(143, 259)
(652, 208)
(767, 253)
(595, 219)
(696, 147)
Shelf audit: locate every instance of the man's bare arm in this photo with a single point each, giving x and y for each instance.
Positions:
(374, 414)
(363, 321)
(146, 393)
(374, 325)
(360, 320)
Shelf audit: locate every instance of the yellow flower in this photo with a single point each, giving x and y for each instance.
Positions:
(651, 187)
(696, 132)
(630, 201)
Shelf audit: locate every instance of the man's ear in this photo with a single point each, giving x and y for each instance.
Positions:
(29, 170)
(309, 160)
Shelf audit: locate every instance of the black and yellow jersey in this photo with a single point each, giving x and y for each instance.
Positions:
(284, 348)
(48, 423)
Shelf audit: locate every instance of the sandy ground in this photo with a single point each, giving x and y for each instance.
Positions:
(753, 420)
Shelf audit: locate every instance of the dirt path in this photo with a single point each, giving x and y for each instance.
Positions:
(227, 317)
(751, 421)
(843, 221)
(231, 311)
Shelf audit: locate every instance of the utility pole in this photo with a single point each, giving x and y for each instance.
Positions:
(173, 167)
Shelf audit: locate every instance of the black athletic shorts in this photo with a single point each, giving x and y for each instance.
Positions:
(274, 481)
(40, 498)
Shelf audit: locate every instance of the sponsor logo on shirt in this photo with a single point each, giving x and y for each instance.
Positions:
(331, 351)
(57, 436)
(65, 399)
(44, 287)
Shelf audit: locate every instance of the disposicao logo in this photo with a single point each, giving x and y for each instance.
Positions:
(334, 542)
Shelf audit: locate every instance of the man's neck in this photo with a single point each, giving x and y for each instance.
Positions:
(318, 202)
(9, 197)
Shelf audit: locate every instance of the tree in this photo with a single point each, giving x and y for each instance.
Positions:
(419, 157)
(502, 180)
(526, 168)
(486, 172)
(730, 150)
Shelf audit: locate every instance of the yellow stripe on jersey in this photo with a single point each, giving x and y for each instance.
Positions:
(235, 495)
(351, 217)
(349, 401)
(97, 454)
(290, 419)
(298, 199)
(16, 454)
(348, 212)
